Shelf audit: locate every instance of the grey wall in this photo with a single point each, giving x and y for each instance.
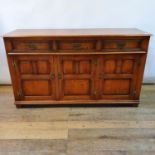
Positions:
(15, 14)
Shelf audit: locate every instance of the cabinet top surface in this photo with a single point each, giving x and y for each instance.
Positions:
(77, 32)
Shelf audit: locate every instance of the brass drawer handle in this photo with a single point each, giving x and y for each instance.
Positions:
(121, 45)
(76, 45)
(32, 45)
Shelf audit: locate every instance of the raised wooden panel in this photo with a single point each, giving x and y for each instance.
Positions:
(127, 66)
(76, 87)
(36, 87)
(109, 66)
(116, 87)
(76, 66)
(43, 67)
(68, 67)
(85, 67)
(120, 65)
(25, 67)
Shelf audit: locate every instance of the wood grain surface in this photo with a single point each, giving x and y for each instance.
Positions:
(77, 32)
(77, 66)
(77, 130)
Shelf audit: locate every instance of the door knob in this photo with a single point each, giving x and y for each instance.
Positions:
(96, 62)
(95, 93)
(32, 45)
(52, 76)
(59, 76)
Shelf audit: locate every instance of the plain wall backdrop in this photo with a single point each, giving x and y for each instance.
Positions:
(28, 14)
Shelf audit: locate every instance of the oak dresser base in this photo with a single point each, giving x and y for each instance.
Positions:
(77, 66)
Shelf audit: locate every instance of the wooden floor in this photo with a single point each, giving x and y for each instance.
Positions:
(77, 130)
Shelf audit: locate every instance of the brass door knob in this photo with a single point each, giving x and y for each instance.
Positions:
(32, 45)
(95, 93)
(52, 76)
(121, 45)
(59, 76)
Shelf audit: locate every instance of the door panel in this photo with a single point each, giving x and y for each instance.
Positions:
(116, 86)
(76, 77)
(127, 66)
(36, 77)
(71, 87)
(118, 76)
(25, 67)
(36, 87)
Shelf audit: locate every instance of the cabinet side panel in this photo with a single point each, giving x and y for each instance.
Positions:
(140, 73)
(11, 65)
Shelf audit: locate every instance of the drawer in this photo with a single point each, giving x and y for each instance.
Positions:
(31, 45)
(112, 45)
(76, 45)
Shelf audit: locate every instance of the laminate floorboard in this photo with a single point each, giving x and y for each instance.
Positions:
(77, 130)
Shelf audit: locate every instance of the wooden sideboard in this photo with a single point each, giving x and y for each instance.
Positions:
(77, 66)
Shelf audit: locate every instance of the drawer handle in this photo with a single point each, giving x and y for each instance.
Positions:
(32, 45)
(121, 45)
(52, 76)
(76, 45)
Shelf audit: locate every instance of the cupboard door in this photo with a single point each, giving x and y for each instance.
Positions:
(76, 75)
(118, 75)
(35, 75)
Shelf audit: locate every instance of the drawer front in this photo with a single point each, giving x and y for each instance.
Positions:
(112, 45)
(31, 45)
(76, 45)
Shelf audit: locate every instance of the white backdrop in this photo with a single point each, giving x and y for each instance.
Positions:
(15, 14)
